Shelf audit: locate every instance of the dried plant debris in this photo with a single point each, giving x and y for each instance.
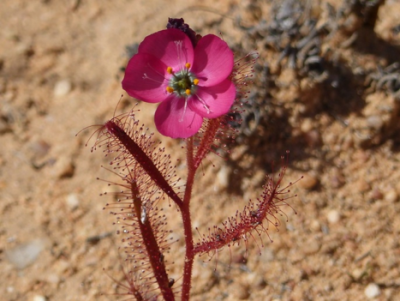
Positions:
(387, 79)
(297, 29)
(355, 21)
(294, 34)
(395, 29)
(365, 11)
(253, 108)
(131, 50)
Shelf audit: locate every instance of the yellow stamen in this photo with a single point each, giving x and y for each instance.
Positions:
(187, 65)
(169, 70)
(187, 91)
(195, 81)
(169, 89)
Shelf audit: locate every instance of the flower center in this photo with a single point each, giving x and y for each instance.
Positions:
(183, 83)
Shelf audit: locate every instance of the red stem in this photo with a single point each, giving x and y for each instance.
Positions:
(187, 223)
(193, 163)
(207, 141)
(141, 157)
(152, 248)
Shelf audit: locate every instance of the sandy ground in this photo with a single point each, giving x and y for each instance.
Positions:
(60, 71)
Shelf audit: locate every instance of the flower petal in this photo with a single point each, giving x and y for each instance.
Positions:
(174, 121)
(212, 102)
(213, 60)
(145, 78)
(171, 46)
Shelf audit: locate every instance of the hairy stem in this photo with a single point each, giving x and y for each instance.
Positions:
(153, 250)
(193, 163)
(141, 157)
(187, 223)
(207, 141)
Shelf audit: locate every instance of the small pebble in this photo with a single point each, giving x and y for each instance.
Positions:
(375, 122)
(240, 292)
(357, 274)
(4, 126)
(376, 194)
(312, 138)
(267, 255)
(337, 179)
(306, 125)
(3, 82)
(24, 49)
(39, 298)
(223, 177)
(391, 195)
(325, 229)
(257, 280)
(315, 225)
(63, 167)
(62, 88)
(72, 201)
(25, 254)
(348, 143)
(53, 278)
(308, 182)
(333, 216)
(312, 246)
(362, 186)
(372, 291)
(290, 227)
(40, 148)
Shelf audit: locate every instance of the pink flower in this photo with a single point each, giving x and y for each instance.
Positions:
(189, 83)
